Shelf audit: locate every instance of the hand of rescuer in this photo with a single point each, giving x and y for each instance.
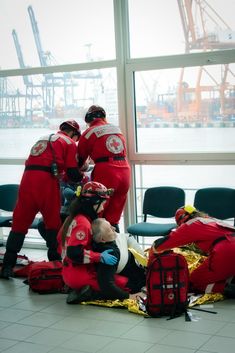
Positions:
(108, 259)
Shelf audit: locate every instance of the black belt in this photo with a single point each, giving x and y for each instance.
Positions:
(44, 168)
(107, 159)
(218, 240)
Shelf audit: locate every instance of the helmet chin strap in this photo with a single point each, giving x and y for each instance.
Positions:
(98, 205)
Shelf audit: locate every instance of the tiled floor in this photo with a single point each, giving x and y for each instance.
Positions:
(35, 323)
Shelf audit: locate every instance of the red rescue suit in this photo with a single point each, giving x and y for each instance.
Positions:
(39, 190)
(105, 145)
(215, 239)
(78, 258)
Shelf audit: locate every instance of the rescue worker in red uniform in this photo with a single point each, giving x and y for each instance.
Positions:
(51, 157)
(105, 145)
(214, 238)
(75, 244)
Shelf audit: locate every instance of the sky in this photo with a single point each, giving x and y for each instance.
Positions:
(74, 29)
(63, 28)
(82, 30)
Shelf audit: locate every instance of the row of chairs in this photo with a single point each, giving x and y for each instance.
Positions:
(163, 201)
(159, 202)
(8, 198)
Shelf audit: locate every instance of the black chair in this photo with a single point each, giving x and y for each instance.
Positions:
(218, 202)
(159, 202)
(8, 198)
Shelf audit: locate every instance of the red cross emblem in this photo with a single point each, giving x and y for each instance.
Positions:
(38, 148)
(114, 144)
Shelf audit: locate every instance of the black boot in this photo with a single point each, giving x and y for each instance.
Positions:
(14, 244)
(51, 241)
(76, 297)
(85, 294)
(229, 290)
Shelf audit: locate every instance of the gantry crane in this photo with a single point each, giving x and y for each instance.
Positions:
(10, 113)
(66, 81)
(199, 37)
(33, 91)
(51, 81)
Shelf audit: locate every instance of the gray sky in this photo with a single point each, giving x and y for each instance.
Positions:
(67, 27)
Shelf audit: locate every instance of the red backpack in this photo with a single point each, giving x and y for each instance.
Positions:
(46, 277)
(167, 284)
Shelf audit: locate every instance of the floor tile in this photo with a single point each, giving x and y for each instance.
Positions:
(30, 322)
(219, 345)
(23, 347)
(51, 337)
(14, 315)
(87, 343)
(146, 334)
(18, 332)
(41, 319)
(5, 343)
(185, 339)
(168, 349)
(228, 330)
(130, 346)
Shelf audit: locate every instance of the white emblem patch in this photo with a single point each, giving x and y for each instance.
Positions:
(114, 144)
(38, 148)
(80, 235)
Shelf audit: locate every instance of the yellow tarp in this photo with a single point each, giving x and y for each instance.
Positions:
(193, 259)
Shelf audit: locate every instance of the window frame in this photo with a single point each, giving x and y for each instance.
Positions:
(126, 67)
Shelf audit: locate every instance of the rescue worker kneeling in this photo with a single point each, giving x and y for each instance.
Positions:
(75, 245)
(215, 238)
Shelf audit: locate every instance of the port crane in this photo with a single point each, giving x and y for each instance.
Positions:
(33, 91)
(9, 104)
(66, 81)
(51, 81)
(199, 37)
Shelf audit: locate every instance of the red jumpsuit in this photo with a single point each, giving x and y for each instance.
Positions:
(215, 239)
(78, 258)
(39, 190)
(105, 145)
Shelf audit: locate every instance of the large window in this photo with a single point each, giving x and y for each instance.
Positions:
(55, 32)
(186, 109)
(167, 27)
(164, 71)
(34, 105)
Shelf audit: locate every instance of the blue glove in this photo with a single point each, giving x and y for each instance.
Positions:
(108, 259)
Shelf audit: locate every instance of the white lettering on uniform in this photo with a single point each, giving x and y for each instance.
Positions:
(103, 130)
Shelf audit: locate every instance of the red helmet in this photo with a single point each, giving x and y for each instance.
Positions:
(95, 111)
(183, 214)
(72, 124)
(94, 189)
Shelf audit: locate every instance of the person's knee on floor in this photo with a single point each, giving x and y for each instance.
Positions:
(86, 293)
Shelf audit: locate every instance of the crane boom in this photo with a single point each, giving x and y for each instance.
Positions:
(197, 35)
(41, 53)
(20, 56)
